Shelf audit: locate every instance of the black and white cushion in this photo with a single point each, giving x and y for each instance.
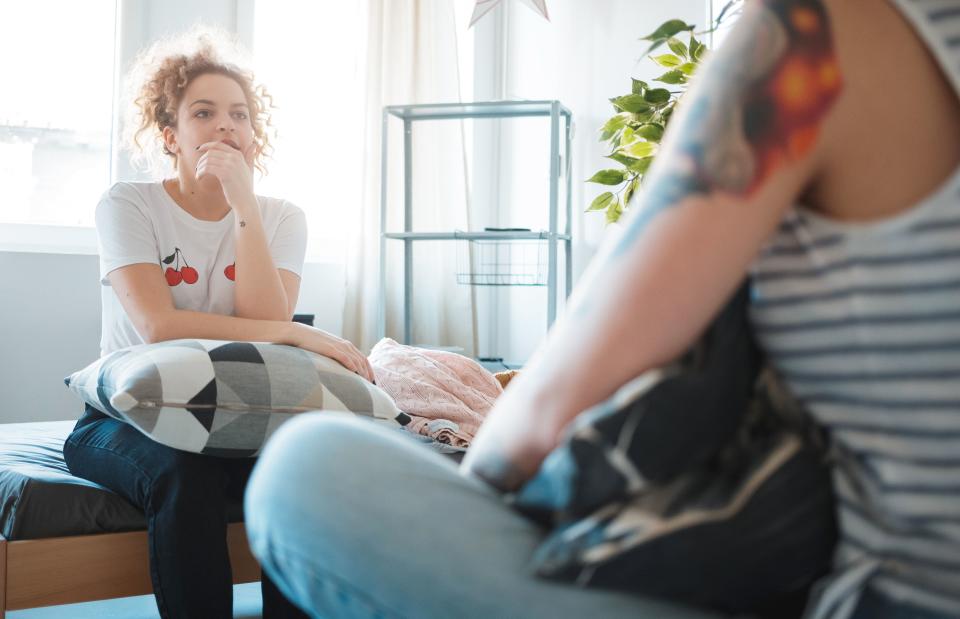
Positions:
(701, 481)
(223, 398)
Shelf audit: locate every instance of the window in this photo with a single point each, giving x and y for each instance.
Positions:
(56, 111)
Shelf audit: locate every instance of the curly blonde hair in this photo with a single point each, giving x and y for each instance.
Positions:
(159, 78)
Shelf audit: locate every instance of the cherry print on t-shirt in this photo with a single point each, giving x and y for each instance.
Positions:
(231, 272)
(176, 274)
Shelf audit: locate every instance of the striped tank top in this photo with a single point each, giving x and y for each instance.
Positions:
(863, 323)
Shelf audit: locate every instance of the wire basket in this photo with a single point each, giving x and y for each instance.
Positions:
(521, 262)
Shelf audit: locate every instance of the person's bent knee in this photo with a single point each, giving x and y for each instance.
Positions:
(293, 487)
(302, 459)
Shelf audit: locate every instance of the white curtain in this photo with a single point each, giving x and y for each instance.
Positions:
(412, 58)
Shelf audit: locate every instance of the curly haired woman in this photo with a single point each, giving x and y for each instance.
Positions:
(197, 255)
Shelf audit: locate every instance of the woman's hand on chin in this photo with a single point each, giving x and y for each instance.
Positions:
(233, 168)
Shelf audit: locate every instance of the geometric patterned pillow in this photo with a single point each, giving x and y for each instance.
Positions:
(223, 398)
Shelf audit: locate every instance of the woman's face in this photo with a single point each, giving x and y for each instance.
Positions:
(213, 108)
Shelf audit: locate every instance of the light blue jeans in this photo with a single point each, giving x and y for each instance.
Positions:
(354, 520)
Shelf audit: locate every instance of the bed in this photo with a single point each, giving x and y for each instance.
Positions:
(64, 539)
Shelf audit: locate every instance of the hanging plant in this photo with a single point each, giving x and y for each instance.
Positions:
(642, 116)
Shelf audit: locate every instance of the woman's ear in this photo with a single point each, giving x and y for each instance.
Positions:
(170, 140)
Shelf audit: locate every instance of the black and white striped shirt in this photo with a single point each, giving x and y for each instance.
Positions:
(863, 321)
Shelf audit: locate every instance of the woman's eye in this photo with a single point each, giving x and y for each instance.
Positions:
(202, 114)
(240, 115)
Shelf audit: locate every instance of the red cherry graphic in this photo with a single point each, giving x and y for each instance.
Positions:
(231, 272)
(173, 276)
(190, 275)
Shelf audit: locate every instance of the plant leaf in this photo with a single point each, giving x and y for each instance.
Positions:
(607, 177)
(667, 60)
(601, 202)
(687, 68)
(657, 95)
(614, 124)
(723, 11)
(621, 159)
(631, 189)
(639, 150)
(677, 47)
(631, 103)
(696, 48)
(651, 131)
(667, 29)
(614, 211)
(640, 166)
(637, 86)
(672, 77)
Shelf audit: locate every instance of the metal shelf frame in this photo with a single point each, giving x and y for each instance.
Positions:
(410, 114)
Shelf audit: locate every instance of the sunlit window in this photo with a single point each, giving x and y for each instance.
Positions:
(56, 109)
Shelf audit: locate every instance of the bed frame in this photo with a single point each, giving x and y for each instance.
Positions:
(84, 568)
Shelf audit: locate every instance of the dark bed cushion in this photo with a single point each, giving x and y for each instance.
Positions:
(39, 498)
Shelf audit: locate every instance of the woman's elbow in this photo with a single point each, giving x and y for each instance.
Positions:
(155, 328)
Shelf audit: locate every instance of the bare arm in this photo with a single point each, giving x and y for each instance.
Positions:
(743, 146)
(146, 298)
(262, 291)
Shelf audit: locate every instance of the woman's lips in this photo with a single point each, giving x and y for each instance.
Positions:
(230, 142)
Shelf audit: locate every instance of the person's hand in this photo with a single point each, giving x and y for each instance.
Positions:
(232, 167)
(338, 349)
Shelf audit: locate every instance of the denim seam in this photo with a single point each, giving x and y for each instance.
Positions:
(327, 575)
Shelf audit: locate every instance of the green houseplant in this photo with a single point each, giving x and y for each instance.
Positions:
(634, 132)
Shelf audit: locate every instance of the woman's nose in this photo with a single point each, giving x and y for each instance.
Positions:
(226, 124)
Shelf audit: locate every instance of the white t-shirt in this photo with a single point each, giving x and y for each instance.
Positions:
(141, 223)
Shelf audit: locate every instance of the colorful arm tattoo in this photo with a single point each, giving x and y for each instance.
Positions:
(760, 105)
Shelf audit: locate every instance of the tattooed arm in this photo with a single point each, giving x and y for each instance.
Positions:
(744, 145)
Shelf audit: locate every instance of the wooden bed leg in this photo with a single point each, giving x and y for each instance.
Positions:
(3, 577)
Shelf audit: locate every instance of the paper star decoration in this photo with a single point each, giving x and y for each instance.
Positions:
(483, 7)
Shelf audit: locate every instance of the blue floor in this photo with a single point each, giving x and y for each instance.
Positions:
(246, 605)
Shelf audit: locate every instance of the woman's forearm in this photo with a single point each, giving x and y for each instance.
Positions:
(259, 292)
(177, 324)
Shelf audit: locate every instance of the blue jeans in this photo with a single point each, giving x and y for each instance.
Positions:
(183, 496)
(355, 520)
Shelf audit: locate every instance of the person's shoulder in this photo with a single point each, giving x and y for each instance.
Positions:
(129, 202)
(142, 194)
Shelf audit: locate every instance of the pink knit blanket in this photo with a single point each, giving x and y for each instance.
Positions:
(447, 395)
